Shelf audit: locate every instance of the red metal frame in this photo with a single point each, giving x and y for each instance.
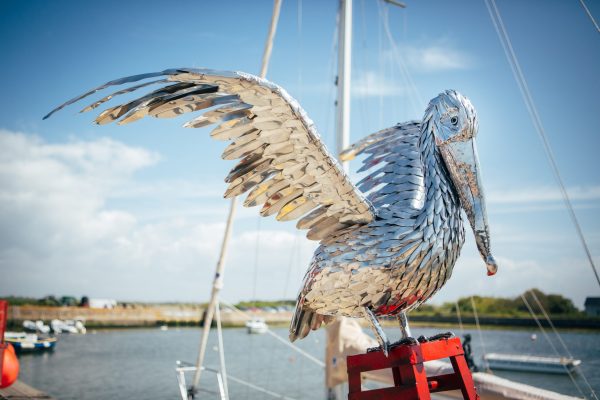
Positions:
(410, 379)
(3, 318)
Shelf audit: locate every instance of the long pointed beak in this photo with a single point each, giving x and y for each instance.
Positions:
(463, 164)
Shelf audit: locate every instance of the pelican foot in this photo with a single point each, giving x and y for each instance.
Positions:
(385, 348)
(407, 341)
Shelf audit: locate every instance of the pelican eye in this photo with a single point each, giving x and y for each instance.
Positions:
(454, 121)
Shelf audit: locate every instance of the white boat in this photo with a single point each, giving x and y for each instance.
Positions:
(68, 326)
(257, 325)
(517, 362)
(35, 327)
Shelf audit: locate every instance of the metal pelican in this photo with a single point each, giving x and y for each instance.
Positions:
(388, 243)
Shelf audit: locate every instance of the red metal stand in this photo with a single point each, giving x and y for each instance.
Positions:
(410, 379)
(3, 318)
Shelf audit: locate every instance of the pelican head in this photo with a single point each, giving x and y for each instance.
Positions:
(453, 121)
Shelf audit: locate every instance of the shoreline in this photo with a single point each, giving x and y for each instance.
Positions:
(192, 316)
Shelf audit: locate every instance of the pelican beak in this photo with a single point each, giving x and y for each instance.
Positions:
(463, 164)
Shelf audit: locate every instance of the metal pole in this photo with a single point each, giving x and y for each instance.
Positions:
(342, 131)
(343, 79)
(218, 280)
(216, 288)
(221, 349)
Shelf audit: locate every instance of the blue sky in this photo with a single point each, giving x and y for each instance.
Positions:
(136, 213)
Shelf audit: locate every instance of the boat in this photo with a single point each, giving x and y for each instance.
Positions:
(529, 363)
(35, 327)
(68, 326)
(29, 342)
(257, 325)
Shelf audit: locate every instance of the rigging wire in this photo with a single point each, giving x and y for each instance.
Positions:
(587, 11)
(485, 363)
(539, 324)
(533, 113)
(221, 349)
(400, 61)
(381, 72)
(293, 256)
(279, 338)
(256, 254)
(218, 279)
(562, 342)
(364, 106)
(299, 58)
(333, 77)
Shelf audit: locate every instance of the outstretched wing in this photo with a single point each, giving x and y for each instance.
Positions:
(395, 182)
(283, 162)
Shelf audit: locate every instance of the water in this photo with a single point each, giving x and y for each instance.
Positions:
(139, 363)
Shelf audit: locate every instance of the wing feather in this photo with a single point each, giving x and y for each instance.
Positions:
(283, 164)
(395, 180)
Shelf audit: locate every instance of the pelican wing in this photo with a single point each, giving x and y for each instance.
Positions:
(283, 162)
(395, 182)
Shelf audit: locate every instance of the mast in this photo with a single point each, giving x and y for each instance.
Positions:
(213, 305)
(343, 78)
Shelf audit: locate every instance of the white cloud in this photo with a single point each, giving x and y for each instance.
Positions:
(533, 195)
(59, 235)
(371, 83)
(438, 57)
(569, 276)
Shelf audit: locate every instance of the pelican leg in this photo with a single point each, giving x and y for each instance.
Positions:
(404, 328)
(384, 343)
(405, 331)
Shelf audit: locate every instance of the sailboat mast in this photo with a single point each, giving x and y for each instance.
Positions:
(211, 310)
(343, 78)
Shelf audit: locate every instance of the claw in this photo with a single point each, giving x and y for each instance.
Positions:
(407, 341)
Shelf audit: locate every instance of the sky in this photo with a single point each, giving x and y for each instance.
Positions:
(136, 212)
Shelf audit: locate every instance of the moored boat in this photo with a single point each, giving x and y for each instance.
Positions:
(256, 325)
(29, 342)
(517, 362)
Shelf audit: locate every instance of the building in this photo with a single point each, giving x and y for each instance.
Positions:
(592, 306)
(102, 303)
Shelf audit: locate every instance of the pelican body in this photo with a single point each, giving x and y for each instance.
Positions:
(389, 242)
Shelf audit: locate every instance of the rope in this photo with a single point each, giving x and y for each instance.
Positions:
(485, 362)
(537, 321)
(564, 345)
(251, 385)
(587, 11)
(279, 338)
(533, 113)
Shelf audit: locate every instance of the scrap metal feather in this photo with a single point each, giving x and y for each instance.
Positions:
(387, 244)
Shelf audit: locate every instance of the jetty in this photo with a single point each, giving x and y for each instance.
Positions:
(22, 391)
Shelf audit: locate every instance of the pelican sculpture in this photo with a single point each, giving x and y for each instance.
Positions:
(388, 243)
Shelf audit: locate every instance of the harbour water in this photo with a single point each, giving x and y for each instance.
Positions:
(140, 363)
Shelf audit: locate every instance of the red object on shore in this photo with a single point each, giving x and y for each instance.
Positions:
(9, 363)
(410, 379)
